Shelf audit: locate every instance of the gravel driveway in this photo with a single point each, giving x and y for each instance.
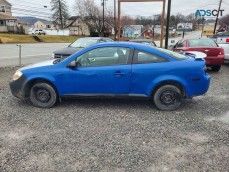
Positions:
(115, 135)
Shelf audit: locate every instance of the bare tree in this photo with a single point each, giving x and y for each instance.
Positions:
(90, 14)
(127, 20)
(60, 12)
(224, 20)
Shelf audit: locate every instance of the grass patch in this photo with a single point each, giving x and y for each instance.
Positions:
(15, 38)
(53, 39)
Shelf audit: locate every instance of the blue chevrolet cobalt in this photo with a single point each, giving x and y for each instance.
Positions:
(118, 69)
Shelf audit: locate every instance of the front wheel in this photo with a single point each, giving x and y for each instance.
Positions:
(43, 95)
(167, 97)
(216, 68)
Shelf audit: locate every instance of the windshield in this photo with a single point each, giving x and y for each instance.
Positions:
(83, 42)
(202, 42)
(173, 54)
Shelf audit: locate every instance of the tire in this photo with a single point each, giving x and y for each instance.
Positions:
(43, 95)
(167, 98)
(216, 68)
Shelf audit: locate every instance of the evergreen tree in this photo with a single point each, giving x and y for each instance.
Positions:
(60, 13)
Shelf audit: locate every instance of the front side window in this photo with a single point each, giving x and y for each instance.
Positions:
(2, 9)
(106, 56)
(180, 44)
(141, 57)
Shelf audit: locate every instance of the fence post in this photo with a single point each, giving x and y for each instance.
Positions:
(19, 54)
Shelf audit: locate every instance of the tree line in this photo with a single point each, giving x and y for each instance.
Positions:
(91, 14)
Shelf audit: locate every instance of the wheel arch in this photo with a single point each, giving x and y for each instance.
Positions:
(33, 81)
(169, 82)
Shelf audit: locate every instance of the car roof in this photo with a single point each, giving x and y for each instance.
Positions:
(124, 44)
(197, 39)
(94, 38)
(139, 40)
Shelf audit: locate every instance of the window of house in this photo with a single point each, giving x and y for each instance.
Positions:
(1, 23)
(48, 26)
(2, 9)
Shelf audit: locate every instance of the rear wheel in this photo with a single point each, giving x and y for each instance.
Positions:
(216, 68)
(167, 97)
(43, 95)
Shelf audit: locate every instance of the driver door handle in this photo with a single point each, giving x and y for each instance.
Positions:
(118, 73)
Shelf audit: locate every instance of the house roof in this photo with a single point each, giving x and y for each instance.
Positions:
(7, 2)
(5, 17)
(74, 17)
(22, 22)
(45, 22)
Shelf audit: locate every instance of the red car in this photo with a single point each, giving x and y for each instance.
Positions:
(215, 54)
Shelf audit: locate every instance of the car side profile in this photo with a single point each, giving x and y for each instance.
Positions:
(39, 32)
(118, 69)
(78, 45)
(215, 54)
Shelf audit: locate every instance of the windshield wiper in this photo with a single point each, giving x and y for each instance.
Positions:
(57, 61)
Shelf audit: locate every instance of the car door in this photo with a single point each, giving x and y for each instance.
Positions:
(101, 71)
(146, 68)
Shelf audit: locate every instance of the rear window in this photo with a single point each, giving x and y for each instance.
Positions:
(202, 42)
(173, 54)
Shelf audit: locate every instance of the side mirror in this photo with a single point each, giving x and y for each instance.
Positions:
(73, 64)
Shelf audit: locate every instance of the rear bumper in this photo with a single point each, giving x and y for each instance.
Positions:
(199, 87)
(226, 57)
(18, 88)
(214, 60)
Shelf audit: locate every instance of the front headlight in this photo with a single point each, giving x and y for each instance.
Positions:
(17, 75)
(53, 55)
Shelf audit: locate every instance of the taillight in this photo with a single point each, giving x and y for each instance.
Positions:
(221, 52)
(227, 40)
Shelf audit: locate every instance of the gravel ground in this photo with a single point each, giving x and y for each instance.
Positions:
(115, 135)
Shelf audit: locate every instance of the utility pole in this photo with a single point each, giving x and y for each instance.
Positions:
(103, 4)
(61, 17)
(115, 27)
(167, 24)
(217, 17)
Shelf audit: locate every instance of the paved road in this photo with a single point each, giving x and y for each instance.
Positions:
(31, 53)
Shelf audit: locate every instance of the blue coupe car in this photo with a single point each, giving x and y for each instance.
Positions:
(116, 69)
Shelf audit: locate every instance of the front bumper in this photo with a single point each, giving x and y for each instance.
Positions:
(18, 88)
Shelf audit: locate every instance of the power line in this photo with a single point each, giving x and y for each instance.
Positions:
(30, 15)
(194, 8)
(225, 3)
(40, 8)
(32, 3)
(30, 11)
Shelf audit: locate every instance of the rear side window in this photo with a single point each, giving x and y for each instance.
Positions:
(202, 42)
(172, 54)
(141, 57)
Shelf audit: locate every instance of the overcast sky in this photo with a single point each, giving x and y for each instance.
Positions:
(36, 7)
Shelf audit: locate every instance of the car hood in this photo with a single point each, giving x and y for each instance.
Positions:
(67, 50)
(40, 64)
